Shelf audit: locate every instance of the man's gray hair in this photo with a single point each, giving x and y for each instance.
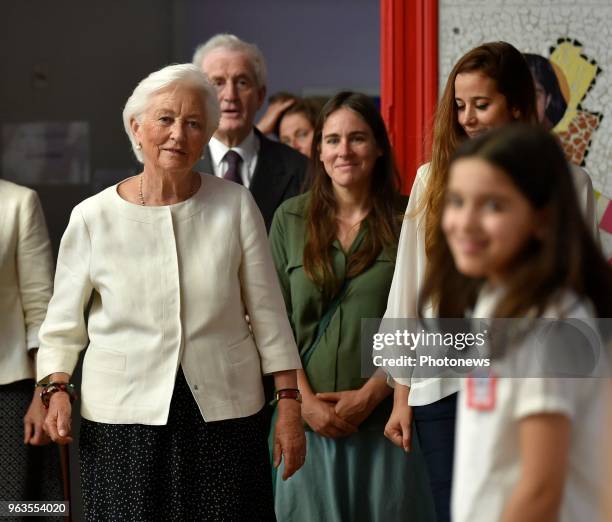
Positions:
(183, 74)
(231, 42)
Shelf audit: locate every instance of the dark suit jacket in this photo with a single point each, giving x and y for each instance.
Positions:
(279, 175)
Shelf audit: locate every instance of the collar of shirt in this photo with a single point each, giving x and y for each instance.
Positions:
(488, 298)
(248, 150)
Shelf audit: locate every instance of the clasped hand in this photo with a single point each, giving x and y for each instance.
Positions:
(335, 414)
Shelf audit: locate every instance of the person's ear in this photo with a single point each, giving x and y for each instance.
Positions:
(135, 128)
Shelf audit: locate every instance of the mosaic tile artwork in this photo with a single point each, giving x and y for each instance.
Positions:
(574, 37)
(577, 75)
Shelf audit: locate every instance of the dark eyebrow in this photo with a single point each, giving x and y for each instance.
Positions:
(475, 98)
(494, 195)
(351, 134)
(331, 135)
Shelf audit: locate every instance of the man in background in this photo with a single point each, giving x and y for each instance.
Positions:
(272, 171)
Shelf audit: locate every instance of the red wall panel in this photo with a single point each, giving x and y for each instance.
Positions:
(409, 79)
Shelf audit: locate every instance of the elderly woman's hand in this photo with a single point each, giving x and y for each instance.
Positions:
(33, 421)
(289, 438)
(58, 421)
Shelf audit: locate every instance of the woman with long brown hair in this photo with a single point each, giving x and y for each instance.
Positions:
(490, 86)
(334, 250)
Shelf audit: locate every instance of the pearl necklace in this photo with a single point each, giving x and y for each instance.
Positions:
(194, 189)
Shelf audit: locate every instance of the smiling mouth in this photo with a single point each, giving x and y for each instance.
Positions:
(175, 151)
(346, 165)
(468, 247)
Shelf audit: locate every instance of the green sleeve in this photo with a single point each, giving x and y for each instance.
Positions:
(278, 243)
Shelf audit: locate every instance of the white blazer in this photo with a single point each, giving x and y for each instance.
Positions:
(411, 265)
(171, 285)
(26, 278)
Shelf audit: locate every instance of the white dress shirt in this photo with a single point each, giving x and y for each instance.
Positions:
(26, 279)
(248, 150)
(171, 285)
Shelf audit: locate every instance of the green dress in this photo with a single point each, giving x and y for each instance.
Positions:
(363, 476)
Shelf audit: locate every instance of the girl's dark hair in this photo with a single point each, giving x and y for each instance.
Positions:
(545, 75)
(384, 220)
(566, 258)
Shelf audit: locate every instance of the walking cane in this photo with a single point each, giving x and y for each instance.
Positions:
(65, 463)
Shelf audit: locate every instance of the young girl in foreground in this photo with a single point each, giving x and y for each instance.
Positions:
(512, 243)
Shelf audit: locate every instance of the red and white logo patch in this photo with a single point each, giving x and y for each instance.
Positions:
(481, 391)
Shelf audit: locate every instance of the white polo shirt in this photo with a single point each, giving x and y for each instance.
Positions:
(487, 452)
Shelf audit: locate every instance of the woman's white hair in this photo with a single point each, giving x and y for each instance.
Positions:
(231, 42)
(184, 74)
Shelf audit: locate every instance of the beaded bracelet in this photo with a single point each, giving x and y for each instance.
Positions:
(54, 387)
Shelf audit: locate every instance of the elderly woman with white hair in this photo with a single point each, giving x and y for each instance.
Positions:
(172, 392)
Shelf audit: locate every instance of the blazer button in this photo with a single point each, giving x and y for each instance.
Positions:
(195, 387)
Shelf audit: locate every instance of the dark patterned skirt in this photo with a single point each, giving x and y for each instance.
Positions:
(188, 469)
(26, 472)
